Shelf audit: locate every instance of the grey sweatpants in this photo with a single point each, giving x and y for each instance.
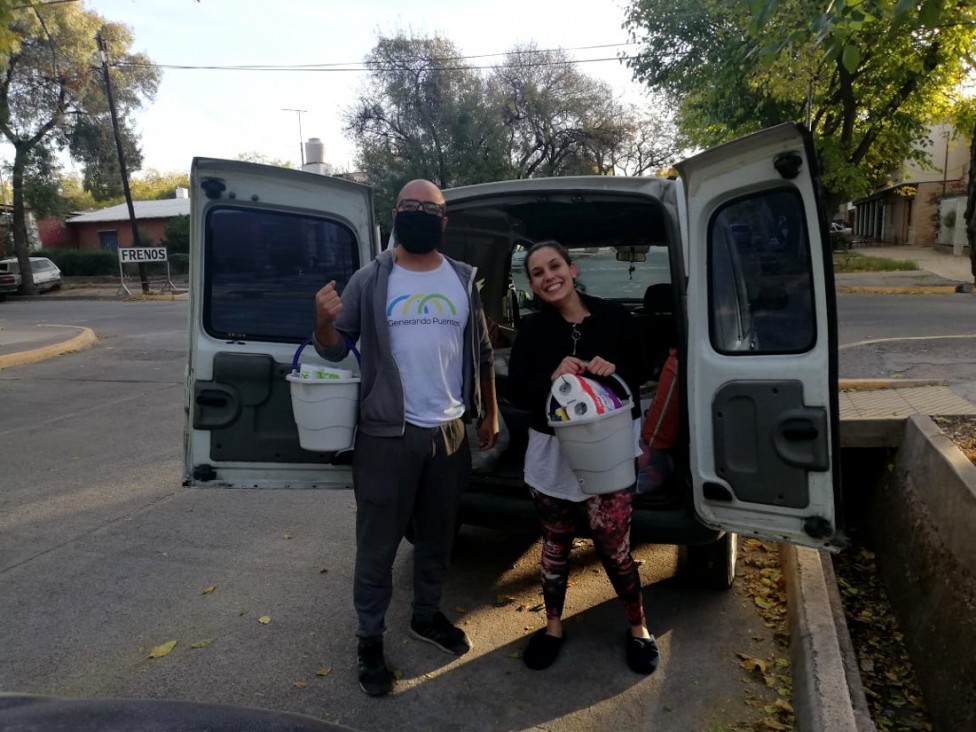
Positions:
(418, 476)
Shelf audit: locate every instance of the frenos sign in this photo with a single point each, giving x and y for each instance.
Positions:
(128, 255)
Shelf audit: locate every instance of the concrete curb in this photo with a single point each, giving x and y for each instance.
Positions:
(821, 697)
(84, 339)
(875, 384)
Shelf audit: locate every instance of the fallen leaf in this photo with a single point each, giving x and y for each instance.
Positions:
(515, 654)
(397, 674)
(459, 610)
(324, 671)
(162, 649)
(264, 619)
(749, 663)
(502, 600)
(537, 608)
(208, 590)
(202, 643)
(784, 705)
(300, 685)
(286, 537)
(323, 571)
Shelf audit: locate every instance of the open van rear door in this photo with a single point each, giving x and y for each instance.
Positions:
(762, 342)
(263, 240)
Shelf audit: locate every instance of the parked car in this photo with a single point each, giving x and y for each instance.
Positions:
(46, 274)
(759, 450)
(841, 235)
(9, 284)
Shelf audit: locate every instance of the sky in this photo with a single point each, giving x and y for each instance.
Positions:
(223, 114)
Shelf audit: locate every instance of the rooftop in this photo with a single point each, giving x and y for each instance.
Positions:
(162, 209)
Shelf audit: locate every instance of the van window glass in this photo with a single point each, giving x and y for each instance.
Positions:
(600, 273)
(263, 269)
(760, 279)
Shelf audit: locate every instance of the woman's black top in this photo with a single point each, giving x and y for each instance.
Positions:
(545, 338)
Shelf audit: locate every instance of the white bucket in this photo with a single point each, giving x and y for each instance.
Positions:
(326, 411)
(600, 449)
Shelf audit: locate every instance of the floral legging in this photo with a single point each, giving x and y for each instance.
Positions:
(608, 518)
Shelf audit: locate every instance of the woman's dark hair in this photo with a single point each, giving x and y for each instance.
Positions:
(546, 244)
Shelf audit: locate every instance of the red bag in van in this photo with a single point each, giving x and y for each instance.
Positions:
(660, 429)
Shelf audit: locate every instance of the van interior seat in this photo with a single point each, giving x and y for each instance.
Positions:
(657, 324)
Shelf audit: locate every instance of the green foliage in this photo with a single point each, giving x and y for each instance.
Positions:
(42, 183)
(176, 238)
(868, 77)
(92, 142)
(83, 262)
(51, 93)
(152, 185)
(423, 113)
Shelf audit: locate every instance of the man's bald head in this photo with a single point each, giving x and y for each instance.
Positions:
(421, 190)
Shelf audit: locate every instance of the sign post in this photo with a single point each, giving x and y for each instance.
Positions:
(141, 255)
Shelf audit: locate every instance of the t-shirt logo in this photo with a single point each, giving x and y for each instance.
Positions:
(423, 305)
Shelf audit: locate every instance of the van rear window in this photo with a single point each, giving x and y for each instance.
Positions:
(263, 269)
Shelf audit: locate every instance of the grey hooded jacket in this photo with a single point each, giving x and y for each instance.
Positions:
(363, 319)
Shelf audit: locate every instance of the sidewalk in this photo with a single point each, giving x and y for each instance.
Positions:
(938, 273)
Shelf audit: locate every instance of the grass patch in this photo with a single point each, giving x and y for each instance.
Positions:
(854, 262)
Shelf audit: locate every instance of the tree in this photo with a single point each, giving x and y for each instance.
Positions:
(841, 27)
(51, 88)
(424, 114)
(866, 86)
(559, 121)
(176, 237)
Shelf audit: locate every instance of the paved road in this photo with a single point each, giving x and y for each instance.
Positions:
(103, 555)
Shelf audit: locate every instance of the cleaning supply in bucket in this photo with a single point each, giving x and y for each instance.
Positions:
(580, 397)
(595, 430)
(325, 402)
(314, 371)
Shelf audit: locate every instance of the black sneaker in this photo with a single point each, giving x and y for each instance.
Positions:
(374, 677)
(439, 631)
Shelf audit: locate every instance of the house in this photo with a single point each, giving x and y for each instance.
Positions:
(906, 211)
(110, 228)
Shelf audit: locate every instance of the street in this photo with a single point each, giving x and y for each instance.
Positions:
(103, 556)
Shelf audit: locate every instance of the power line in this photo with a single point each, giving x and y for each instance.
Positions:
(359, 66)
(366, 67)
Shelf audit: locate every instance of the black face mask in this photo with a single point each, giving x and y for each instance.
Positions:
(418, 232)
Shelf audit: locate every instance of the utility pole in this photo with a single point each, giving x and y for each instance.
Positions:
(301, 140)
(102, 50)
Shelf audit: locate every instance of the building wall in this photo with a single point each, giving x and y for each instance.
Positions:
(925, 225)
(55, 234)
(151, 231)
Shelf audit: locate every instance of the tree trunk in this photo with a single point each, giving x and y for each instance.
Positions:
(21, 242)
(971, 204)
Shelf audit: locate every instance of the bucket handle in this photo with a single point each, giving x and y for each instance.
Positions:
(301, 347)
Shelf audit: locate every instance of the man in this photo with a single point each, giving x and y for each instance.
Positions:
(426, 369)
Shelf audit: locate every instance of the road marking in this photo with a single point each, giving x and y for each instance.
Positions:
(872, 341)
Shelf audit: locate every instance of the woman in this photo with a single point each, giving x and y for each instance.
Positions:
(575, 334)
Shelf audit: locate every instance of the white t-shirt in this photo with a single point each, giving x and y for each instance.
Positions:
(427, 313)
(547, 471)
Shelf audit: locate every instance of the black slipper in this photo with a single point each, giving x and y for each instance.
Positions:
(642, 654)
(542, 650)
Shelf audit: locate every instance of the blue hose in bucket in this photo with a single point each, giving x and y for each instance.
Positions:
(301, 347)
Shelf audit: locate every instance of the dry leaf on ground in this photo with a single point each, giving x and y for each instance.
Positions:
(162, 649)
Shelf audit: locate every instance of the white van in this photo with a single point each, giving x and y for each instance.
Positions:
(730, 264)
